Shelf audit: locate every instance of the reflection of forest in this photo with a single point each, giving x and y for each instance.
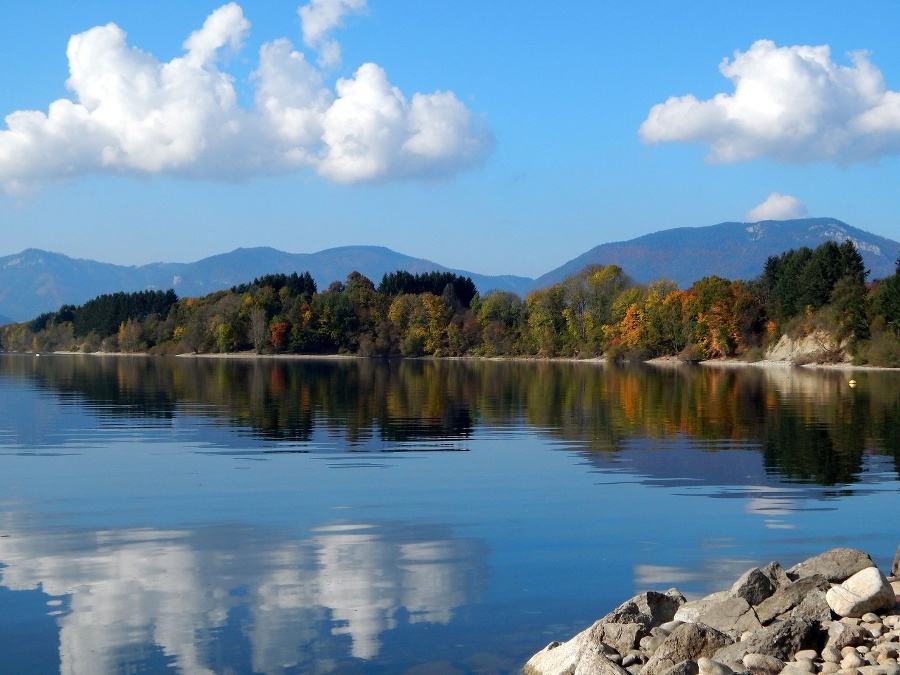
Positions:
(810, 425)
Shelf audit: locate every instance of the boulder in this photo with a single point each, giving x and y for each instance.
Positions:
(796, 669)
(621, 629)
(595, 663)
(754, 586)
(686, 667)
(689, 641)
(835, 565)
(842, 635)
(787, 597)
(883, 669)
(690, 611)
(557, 658)
(623, 637)
(706, 666)
(647, 609)
(583, 652)
(866, 591)
(733, 617)
(895, 567)
(814, 606)
(562, 658)
(760, 664)
(776, 574)
(781, 640)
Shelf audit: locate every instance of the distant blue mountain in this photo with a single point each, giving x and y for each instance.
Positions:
(729, 250)
(36, 281)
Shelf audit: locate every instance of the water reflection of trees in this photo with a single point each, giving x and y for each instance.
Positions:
(809, 425)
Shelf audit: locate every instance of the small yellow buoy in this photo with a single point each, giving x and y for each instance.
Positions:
(852, 383)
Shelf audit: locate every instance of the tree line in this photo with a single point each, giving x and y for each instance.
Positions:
(600, 311)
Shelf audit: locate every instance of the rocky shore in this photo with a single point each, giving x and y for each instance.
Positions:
(833, 613)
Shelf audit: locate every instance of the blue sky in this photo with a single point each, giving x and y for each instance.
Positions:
(500, 138)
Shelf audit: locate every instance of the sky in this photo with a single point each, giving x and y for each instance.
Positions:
(493, 137)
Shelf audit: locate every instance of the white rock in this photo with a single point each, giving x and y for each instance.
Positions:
(866, 591)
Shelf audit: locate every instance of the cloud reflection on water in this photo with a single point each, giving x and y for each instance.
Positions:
(305, 602)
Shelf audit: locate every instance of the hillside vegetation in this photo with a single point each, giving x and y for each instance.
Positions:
(600, 311)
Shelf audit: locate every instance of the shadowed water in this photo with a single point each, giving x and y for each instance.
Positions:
(292, 516)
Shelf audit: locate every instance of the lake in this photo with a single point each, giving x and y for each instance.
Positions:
(193, 515)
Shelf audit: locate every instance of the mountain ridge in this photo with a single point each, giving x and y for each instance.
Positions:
(733, 250)
(36, 281)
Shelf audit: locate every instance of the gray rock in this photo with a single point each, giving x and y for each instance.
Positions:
(883, 669)
(732, 617)
(647, 609)
(687, 642)
(866, 591)
(592, 663)
(797, 668)
(564, 657)
(835, 565)
(781, 640)
(787, 597)
(852, 660)
(760, 664)
(776, 574)
(841, 635)
(895, 567)
(706, 666)
(814, 606)
(806, 655)
(623, 637)
(690, 611)
(557, 658)
(753, 586)
(582, 654)
(831, 654)
(633, 657)
(686, 667)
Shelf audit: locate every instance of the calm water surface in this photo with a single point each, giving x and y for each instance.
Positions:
(219, 516)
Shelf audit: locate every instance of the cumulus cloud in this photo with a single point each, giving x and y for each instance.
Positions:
(318, 19)
(790, 104)
(131, 113)
(777, 207)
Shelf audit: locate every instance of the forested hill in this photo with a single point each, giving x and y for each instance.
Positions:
(729, 250)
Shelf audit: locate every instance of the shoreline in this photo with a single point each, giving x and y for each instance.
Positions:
(660, 361)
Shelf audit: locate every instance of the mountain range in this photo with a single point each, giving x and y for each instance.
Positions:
(36, 281)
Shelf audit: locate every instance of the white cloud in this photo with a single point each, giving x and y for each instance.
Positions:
(318, 19)
(131, 113)
(777, 207)
(790, 104)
